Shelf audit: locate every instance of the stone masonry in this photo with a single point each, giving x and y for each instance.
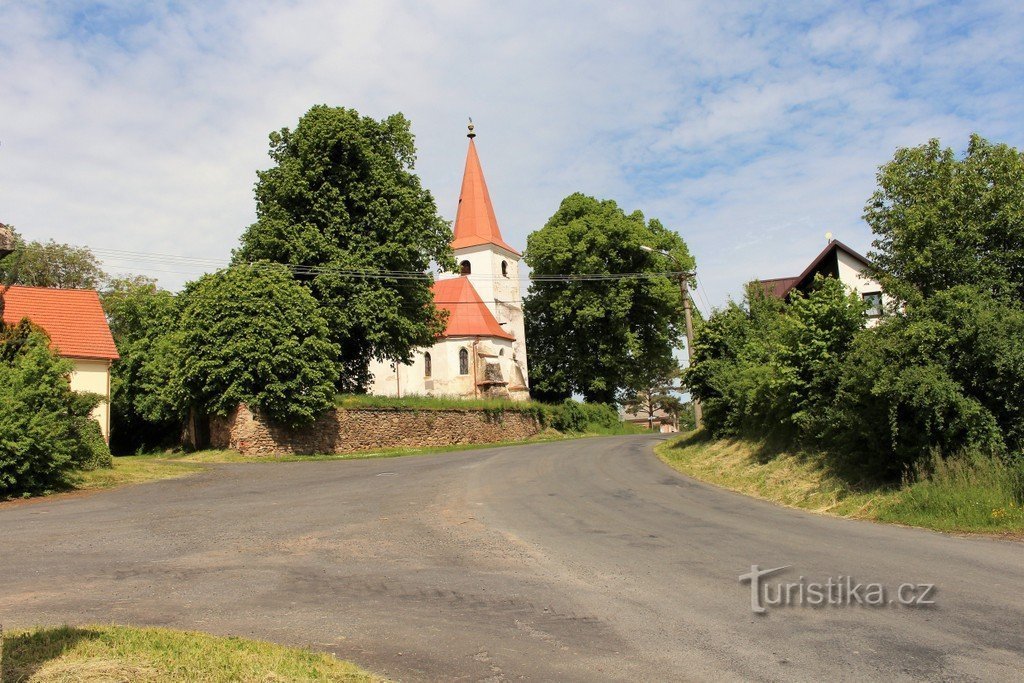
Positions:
(365, 429)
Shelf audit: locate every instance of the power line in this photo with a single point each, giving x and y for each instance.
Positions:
(125, 258)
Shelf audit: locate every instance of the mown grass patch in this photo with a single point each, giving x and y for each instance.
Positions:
(133, 469)
(965, 494)
(157, 655)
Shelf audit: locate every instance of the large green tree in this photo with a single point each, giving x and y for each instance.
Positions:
(146, 399)
(594, 336)
(943, 221)
(252, 334)
(342, 206)
(51, 264)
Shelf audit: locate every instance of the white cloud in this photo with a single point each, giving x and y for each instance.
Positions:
(751, 131)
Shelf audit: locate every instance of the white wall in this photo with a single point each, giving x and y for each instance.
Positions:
(852, 273)
(502, 296)
(445, 379)
(93, 376)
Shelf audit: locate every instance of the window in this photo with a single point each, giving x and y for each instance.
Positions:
(874, 302)
(463, 362)
(504, 268)
(426, 365)
(465, 268)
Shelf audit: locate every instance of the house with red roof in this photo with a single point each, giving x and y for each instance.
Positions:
(482, 351)
(78, 331)
(846, 265)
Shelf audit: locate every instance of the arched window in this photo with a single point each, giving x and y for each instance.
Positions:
(465, 268)
(501, 352)
(504, 268)
(463, 362)
(426, 365)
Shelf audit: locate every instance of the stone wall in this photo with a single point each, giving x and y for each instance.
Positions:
(365, 429)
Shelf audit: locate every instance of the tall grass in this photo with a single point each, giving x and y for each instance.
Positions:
(968, 491)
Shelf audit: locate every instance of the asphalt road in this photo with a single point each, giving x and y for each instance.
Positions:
(579, 560)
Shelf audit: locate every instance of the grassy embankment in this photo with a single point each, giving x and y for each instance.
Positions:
(156, 655)
(966, 494)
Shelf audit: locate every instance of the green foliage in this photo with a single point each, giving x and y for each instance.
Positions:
(592, 337)
(651, 389)
(965, 491)
(252, 334)
(573, 416)
(947, 375)
(342, 196)
(50, 264)
(147, 402)
(94, 452)
(45, 429)
(942, 222)
(770, 369)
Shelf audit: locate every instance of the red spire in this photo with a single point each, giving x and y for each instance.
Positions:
(475, 222)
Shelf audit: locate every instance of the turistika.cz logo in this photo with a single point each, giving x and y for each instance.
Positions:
(841, 591)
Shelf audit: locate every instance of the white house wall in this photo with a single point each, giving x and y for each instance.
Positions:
(93, 376)
(853, 274)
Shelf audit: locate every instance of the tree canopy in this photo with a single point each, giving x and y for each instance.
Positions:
(252, 334)
(593, 337)
(941, 221)
(340, 200)
(147, 402)
(51, 264)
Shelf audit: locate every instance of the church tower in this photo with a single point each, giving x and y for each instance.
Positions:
(491, 265)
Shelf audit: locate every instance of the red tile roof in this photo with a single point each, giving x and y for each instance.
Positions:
(468, 315)
(779, 286)
(475, 222)
(73, 318)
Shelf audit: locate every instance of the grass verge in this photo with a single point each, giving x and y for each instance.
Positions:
(156, 655)
(133, 470)
(965, 494)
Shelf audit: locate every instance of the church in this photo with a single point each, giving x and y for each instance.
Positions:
(482, 352)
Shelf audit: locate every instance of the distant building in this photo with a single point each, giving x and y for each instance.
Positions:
(78, 330)
(661, 421)
(839, 261)
(482, 352)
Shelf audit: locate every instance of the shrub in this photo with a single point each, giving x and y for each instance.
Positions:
(573, 416)
(45, 429)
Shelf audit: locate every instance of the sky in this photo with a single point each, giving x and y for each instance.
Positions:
(751, 129)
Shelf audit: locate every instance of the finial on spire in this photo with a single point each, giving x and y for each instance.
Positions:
(471, 134)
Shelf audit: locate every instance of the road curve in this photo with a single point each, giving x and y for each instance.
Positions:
(577, 560)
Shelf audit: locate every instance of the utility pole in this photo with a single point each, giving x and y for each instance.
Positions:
(684, 290)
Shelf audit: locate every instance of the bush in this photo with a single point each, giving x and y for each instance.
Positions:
(946, 376)
(573, 416)
(45, 428)
(94, 454)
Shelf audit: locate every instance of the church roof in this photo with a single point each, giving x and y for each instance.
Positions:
(475, 222)
(73, 318)
(468, 316)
